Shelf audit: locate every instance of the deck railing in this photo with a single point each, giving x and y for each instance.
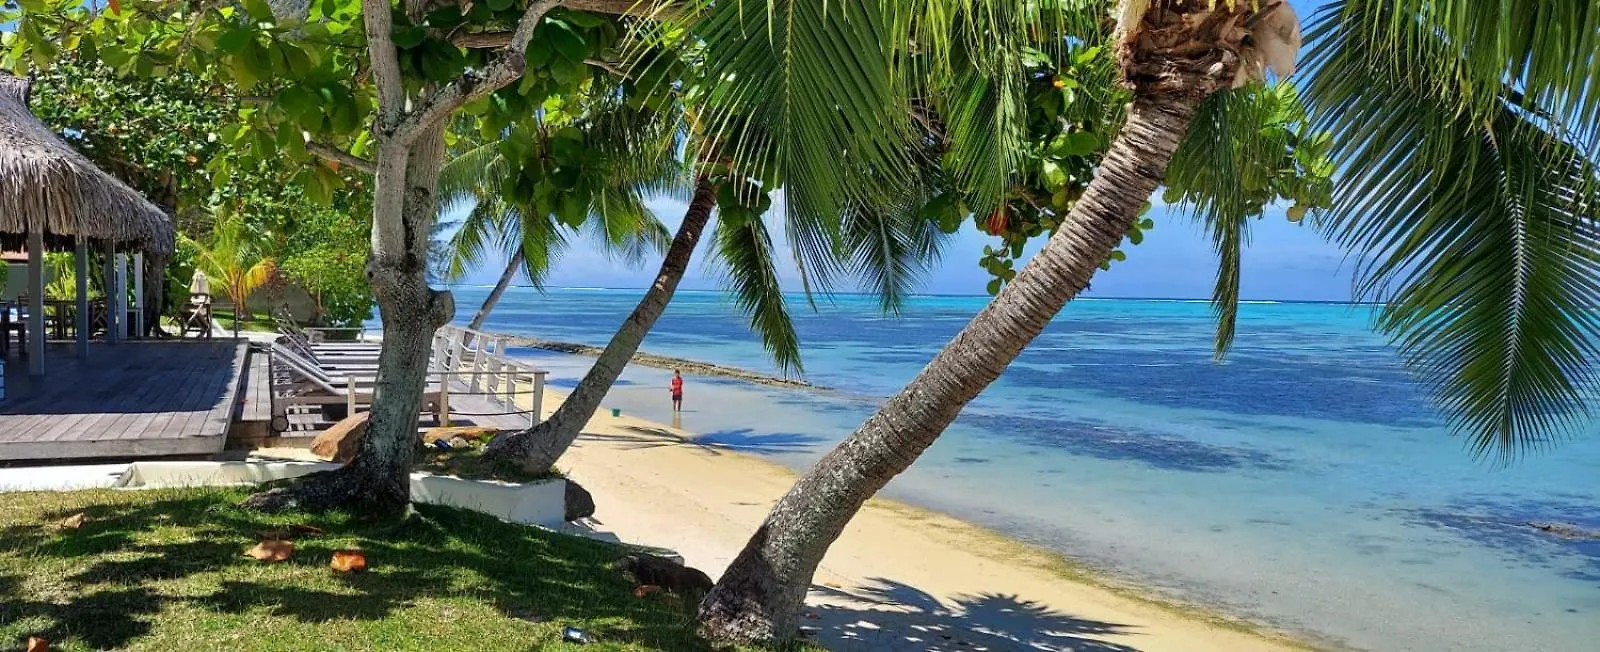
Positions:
(478, 361)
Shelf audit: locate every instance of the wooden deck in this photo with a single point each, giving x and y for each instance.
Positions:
(135, 399)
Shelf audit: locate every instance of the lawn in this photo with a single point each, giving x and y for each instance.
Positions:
(224, 319)
(165, 570)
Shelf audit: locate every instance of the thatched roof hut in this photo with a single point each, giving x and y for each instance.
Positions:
(45, 183)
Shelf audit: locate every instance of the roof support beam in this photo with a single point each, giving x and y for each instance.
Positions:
(80, 259)
(36, 301)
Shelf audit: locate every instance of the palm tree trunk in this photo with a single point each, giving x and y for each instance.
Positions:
(494, 295)
(759, 596)
(537, 448)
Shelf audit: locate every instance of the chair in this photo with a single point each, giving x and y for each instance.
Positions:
(298, 382)
(12, 324)
(195, 316)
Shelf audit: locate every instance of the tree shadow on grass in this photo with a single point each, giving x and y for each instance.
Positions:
(105, 584)
(102, 620)
(889, 615)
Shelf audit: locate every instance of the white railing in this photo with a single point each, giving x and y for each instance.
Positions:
(478, 360)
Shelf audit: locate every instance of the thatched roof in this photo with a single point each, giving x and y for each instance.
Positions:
(45, 183)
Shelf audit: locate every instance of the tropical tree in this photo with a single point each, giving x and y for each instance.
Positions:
(1467, 141)
(235, 259)
(891, 253)
(632, 157)
(362, 86)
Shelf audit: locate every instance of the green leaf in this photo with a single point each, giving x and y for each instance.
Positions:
(993, 287)
(233, 39)
(258, 10)
(565, 40)
(407, 37)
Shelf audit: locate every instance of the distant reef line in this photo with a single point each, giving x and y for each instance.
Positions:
(667, 362)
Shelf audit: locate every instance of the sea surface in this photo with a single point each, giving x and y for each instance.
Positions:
(1306, 482)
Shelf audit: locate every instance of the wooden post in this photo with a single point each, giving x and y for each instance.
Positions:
(80, 257)
(538, 399)
(478, 344)
(112, 336)
(350, 396)
(436, 357)
(444, 401)
(138, 294)
(36, 301)
(122, 297)
(456, 349)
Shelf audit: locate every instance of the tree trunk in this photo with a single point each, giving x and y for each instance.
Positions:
(494, 295)
(155, 282)
(378, 481)
(537, 448)
(760, 595)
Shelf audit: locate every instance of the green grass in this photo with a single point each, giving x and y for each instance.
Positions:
(469, 463)
(225, 320)
(163, 570)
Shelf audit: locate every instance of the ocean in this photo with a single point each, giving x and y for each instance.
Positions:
(1305, 483)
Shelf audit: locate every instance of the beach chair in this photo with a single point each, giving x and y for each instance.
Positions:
(316, 337)
(195, 316)
(298, 384)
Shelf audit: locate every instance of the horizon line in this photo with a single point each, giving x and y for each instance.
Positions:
(936, 295)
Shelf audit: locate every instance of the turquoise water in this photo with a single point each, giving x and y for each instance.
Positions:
(1306, 482)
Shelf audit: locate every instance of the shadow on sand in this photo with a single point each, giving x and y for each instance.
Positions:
(888, 615)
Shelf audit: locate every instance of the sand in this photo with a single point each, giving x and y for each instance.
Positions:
(900, 578)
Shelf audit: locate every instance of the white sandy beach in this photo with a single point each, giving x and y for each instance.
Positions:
(900, 578)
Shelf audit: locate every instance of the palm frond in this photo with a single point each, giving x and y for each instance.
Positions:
(467, 177)
(542, 241)
(484, 226)
(892, 250)
(1476, 226)
(1545, 48)
(744, 253)
(1225, 172)
(803, 92)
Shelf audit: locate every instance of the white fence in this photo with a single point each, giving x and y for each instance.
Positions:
(477, 361)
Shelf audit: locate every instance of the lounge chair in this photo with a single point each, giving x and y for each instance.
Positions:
(298, 382)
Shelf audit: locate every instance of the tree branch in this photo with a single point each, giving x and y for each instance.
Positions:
(623, 7)
(341, 157)
(506, 68)
(385, 61)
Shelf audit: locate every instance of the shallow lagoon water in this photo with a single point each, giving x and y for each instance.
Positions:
(1306, 482)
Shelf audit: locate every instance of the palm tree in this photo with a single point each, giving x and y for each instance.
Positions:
(890, 252)
(619, 219)
(1466, 140)
(236, 259)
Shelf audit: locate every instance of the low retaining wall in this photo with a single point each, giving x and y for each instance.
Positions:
(535, 503)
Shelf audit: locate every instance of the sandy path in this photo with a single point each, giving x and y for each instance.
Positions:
(900, 578)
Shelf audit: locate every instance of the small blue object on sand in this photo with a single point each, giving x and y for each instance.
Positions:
(441, 444)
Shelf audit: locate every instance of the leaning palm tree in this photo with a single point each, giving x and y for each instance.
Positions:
(1466, 141)
(891, 254)
(618, 217)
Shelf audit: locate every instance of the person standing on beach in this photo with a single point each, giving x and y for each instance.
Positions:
(677, 391)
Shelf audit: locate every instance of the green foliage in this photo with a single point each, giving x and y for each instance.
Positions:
(236, 258)
(1246, 149)
(327, 255)
(1469, 187)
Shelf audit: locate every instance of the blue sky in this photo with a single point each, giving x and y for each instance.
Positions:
(1283, 261)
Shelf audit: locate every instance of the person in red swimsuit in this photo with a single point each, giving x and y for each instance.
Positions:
(677, 391)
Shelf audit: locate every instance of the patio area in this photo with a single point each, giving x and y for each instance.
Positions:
(135, 399)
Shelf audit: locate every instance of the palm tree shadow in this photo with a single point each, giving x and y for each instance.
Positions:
(889, 615)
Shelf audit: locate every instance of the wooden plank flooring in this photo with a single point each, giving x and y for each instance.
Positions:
(135, 399)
